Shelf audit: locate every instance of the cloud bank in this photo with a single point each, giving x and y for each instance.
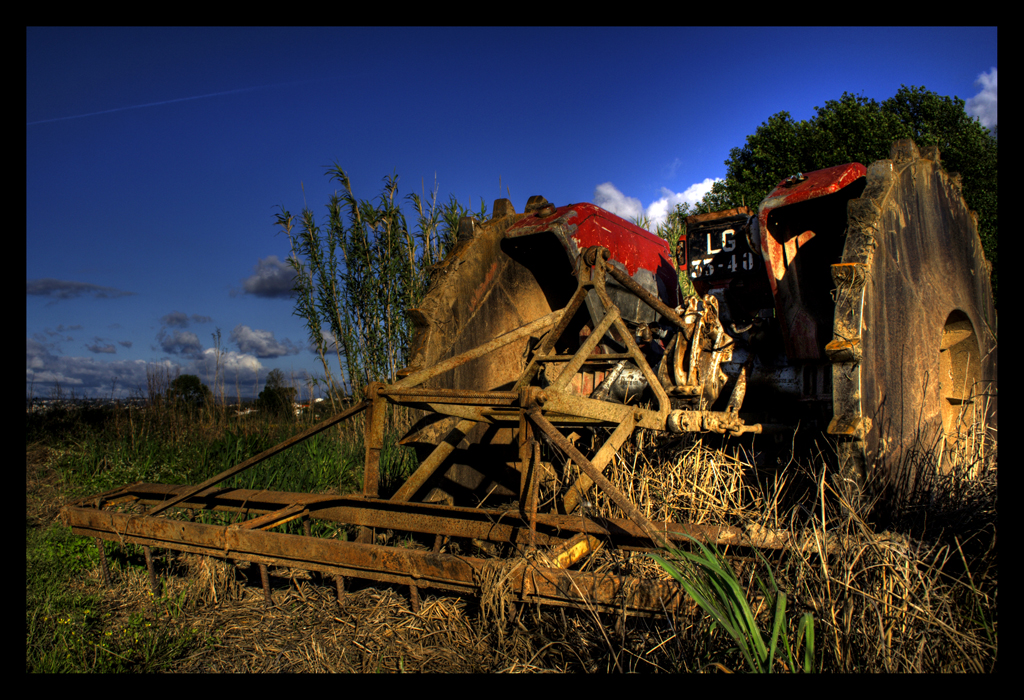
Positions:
(271, 278)
(983, 105)
(65, 289)
(607, 196)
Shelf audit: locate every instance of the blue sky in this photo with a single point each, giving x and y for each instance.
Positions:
(156, 158)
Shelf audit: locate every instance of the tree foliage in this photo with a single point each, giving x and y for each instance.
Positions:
(188, 390)
(277, 397)
(858, 129)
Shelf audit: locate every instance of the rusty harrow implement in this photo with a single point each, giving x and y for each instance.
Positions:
(163, 516)
(569, 319)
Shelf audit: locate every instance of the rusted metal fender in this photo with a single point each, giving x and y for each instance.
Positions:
(914, 337)
(502, 275)
(802, 224)
(646, 258)
(509, 271)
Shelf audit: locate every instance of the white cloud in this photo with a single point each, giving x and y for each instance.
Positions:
(261, 343)
(607, 196)
(983, 105)
(660, 208)
(231, 361)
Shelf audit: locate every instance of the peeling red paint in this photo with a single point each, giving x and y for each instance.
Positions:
(584, 225)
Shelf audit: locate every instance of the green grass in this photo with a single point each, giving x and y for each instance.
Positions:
(69, 626)
(709, 580)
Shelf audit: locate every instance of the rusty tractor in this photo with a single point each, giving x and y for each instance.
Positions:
(855, 299)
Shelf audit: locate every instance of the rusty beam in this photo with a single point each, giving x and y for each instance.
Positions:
(433, 462)
(417, 378)
(617, 497)
(437, 519)
(266, 454)
(600, 462)
(652, 301)
(528, 581)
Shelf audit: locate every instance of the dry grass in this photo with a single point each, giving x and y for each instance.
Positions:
(919, 595)
(373, 630)
(913, 589)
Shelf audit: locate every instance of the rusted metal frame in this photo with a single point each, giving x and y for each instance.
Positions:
(547, 343)
(460, 397)
(388, 564)
(526, 440)
(266, 454)
(601, 460)
(532, 489)
(564, 407)
(477, 414)
(426, 518)
(417, 378)
(652, 301)
(106, 497)
(607, 358)
(510, 528)
(433, 461)
(455, 435)
(638, 357)
(274, 519)
(373, 441)
(400, 390)
(617, 497)
(586, 349)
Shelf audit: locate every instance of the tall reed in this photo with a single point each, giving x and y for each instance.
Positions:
(358, 276)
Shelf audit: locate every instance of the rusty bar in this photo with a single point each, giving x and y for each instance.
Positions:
(423, 375)
(548, 343)
(265, 578)
(104, 571)
(374, 441)
(600, 462)
(278, 517)
(434, 519)
(154, 588)
(455, 396)
(607, 357)
(597, 477)
(252, 461)
(532, 492)
(436, 458)
(627, 339)
(581, 355)
(652, 301)
(104, 497)
(379, 563)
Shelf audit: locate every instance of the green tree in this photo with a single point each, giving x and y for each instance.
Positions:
(672, 230)
(188, 390)
(277, 397)
(857, 129)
